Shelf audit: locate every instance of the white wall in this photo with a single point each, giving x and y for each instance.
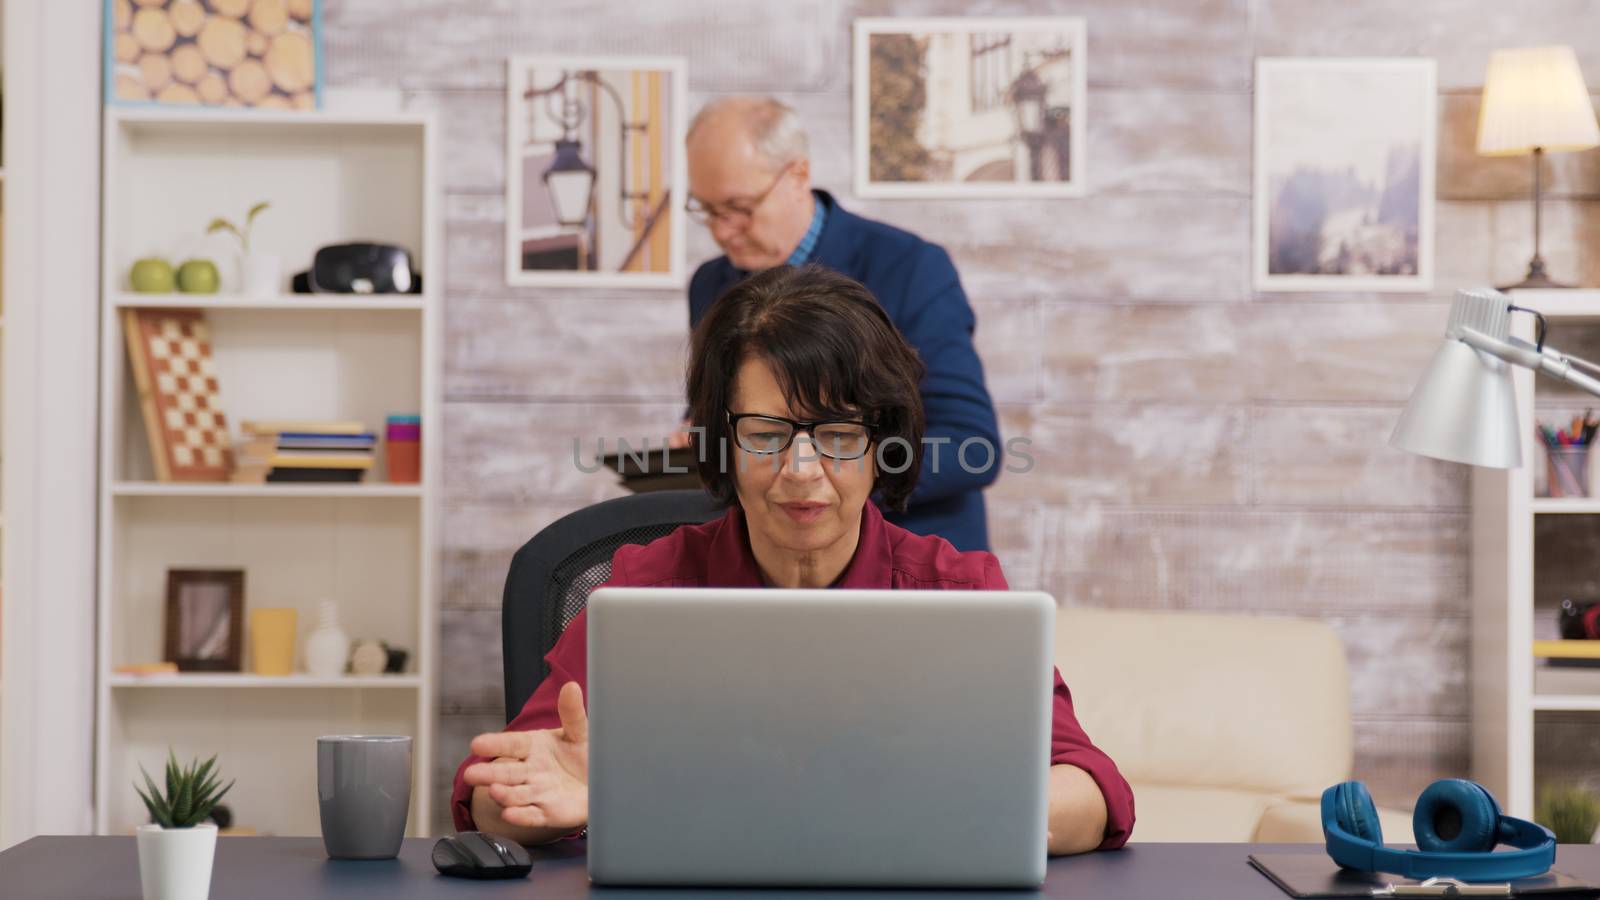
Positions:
(52, 209)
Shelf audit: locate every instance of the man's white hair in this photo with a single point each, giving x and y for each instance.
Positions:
(773, 126)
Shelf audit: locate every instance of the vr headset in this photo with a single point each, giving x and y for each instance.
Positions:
(360, 269)
(1457, 825)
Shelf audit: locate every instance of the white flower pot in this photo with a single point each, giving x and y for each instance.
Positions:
(262, 275)
(175, 863)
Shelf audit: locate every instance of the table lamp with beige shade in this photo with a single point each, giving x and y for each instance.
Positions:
(1535, 101)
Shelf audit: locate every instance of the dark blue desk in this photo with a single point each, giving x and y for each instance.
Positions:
(259, 868)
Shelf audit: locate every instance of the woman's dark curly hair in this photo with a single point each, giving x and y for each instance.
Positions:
(835, 354)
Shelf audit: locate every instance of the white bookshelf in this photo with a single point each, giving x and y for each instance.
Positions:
(372, 547)
(170, 489)
(1509, 688)
(311, 302)
(182, 681)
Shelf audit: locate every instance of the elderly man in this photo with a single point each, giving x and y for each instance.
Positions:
(750, 184)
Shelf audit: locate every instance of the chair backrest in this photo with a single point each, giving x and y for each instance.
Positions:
(552, 575)
(1196, 699)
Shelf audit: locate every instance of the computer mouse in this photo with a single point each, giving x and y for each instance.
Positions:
(475, 854)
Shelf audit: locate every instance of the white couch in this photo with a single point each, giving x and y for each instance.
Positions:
(1227, 727)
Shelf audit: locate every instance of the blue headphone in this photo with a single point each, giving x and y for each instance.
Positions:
(1457, 824)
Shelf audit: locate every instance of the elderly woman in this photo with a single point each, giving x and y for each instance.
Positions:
(808, 397)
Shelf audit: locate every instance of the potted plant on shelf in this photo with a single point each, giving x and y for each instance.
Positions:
(177, 847)
(261, 273)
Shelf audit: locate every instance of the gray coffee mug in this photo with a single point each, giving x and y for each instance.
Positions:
(364, 791)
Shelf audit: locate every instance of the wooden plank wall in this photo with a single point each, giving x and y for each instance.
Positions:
(1199, 445)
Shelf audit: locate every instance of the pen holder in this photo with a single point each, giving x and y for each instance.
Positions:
(1568, 471)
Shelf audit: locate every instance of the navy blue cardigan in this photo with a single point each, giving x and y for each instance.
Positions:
(918, 286)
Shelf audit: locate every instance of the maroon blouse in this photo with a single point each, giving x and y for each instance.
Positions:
(717, 554)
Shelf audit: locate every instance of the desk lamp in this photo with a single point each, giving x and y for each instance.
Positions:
(1464, 409)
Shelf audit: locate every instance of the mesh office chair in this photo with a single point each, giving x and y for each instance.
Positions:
(552, 575)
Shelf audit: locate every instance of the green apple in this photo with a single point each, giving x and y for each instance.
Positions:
(198, 276)
(152, 276)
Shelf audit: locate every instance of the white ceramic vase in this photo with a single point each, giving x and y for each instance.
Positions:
(328, 648)
(262, 274)
(175, 863)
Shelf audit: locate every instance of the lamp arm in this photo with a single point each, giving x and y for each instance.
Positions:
(1546, 359)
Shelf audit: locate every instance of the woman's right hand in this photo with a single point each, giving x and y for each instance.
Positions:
(539, 779)
(681, 438)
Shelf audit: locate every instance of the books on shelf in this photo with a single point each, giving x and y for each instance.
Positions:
(348, 427)
(304, 452)
(1566, 649)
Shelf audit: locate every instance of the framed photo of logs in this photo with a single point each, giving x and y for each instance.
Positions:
(265, 54)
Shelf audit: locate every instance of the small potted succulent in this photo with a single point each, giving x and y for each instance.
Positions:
(260, 273)
(177, 847)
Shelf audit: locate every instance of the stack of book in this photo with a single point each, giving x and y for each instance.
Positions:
(304, 451)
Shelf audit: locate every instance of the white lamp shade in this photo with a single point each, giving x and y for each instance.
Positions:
(1534, 97)
(1463, 410)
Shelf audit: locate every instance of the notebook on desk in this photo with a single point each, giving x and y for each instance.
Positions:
(1312, 874)
(812, 738)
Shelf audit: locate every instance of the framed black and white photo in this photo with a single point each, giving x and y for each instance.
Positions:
(970, 107)
(1344, 174)
(595, 171)
(205, 619)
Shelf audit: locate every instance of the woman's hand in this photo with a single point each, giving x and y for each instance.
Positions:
(538, 779)
(681, 438)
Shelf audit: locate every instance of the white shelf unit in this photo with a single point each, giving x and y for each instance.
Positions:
(242, 680)
(357, 303)
(372, 547)
(1508, 612)
(169, 489)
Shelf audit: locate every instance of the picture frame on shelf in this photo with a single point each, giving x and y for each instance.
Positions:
(1344, 174)
(596, 177)
(971, 107)
(205, 619)
(264, 54)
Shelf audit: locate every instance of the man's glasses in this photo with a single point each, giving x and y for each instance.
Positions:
(767, 435)
(735, 212)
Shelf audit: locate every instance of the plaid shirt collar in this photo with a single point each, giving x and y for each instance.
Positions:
(808, 244)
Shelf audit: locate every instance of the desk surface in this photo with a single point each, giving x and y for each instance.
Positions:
(107, 868)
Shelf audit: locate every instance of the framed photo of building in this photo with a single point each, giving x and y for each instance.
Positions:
(1344, 174)
(970, 107)
(595, 171)
(205, 619)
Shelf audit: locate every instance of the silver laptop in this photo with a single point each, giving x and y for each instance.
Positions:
(818, 737)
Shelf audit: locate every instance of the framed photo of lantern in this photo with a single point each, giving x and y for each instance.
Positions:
(595, 173)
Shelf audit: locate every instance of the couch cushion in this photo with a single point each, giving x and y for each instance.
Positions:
(1196, 814)
(1291, 822)
(1295, 821)
(1201, 700)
